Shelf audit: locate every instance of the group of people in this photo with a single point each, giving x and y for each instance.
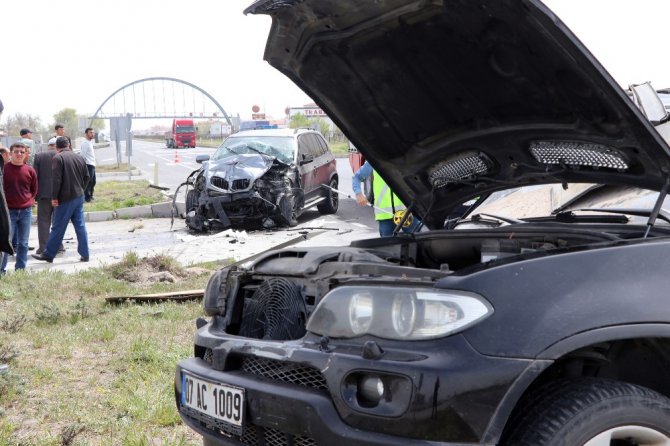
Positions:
(58, 181)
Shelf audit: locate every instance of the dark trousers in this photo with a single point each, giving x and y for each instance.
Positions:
(44, 217)
(88, 193)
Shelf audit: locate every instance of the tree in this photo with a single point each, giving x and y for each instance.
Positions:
(299, 121)
(67, 117)
(18, 121)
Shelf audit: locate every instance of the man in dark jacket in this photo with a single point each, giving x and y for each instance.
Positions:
(42, 165)
(5, 242)
(69, 179)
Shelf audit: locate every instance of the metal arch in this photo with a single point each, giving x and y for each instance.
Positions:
(160, 78)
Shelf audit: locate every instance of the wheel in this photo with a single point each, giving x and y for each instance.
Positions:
(329, 206)
(191, 200)
(591, 412)
(288, 212)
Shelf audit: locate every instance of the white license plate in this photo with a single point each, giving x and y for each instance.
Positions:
(220, 401)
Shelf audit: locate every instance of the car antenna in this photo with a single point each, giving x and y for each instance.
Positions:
(657, 207)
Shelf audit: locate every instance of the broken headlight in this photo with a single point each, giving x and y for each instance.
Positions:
(214, 301)
(402, 313)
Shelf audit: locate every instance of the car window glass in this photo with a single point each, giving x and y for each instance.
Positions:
(313, 145)
(281, 147)
(321, 144)
(303, 146)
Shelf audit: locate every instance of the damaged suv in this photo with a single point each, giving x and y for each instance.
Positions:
(513, 326)
(262, 176)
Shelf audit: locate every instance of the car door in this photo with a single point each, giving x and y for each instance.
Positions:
(306, 164)
(326, 164)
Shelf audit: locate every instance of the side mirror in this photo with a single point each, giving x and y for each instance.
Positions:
(306, 159)
(646, 98)
(201, 158)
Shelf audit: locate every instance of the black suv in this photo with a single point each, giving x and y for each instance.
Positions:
(262, 176)
(515, 326)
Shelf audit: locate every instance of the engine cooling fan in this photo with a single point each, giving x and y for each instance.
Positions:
(275, 311)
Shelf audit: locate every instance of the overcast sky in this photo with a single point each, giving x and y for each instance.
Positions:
(75, 53)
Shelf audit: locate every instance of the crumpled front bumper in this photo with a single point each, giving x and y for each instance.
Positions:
(451, 396)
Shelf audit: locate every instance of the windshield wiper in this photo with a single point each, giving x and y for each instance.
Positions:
(511, 221)
(662, 213)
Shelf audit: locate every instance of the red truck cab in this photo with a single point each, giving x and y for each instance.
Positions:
(183, 134)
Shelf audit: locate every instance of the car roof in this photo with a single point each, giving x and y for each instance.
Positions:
(271, 132)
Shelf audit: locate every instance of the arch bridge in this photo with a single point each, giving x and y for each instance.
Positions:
(161, 97)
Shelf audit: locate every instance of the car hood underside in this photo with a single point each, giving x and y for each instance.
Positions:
(452, 99)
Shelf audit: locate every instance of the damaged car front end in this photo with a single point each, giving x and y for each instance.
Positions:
(245, 182)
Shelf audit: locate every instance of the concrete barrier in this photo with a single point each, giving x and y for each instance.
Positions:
(134, 212)
(157, 210)
(100, 216)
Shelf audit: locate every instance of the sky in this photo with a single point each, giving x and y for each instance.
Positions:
(75, 53)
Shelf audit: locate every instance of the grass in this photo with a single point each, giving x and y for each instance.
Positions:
(83, 372)
(112, 195)
(123, 167)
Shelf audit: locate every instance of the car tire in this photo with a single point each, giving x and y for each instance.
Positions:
(191, 200)
(590, 412)
(288, 212)
(330, 205)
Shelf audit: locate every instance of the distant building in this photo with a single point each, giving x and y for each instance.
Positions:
(312, 111)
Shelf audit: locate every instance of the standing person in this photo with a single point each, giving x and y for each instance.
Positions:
(42, 166)
(27, 139)
(386, 203)
(60, 130)
(4, 157)
(70, 177)
(5, 242)
(89, 156)
(20, 185)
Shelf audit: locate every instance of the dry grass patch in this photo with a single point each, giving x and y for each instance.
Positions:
(85, 373)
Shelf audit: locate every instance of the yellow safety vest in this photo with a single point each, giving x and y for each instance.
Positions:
(384, 199)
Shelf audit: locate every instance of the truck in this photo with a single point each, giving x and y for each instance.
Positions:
(183, 134)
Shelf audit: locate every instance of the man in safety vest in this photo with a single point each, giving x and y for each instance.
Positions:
(386, 203)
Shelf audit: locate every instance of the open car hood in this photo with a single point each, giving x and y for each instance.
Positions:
(452, 99)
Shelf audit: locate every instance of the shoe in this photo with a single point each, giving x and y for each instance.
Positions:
(61, 249)
(39, 251)
(83, 259)
(43, 258)
(30, 248)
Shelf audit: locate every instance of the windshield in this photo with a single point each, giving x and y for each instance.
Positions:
(186, 129)
(544, 200)
(281, 147)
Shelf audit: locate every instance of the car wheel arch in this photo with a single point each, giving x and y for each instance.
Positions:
(556, 359)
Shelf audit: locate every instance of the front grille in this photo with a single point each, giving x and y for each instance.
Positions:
(257, 436)
(219, 182)
(241, 184)
(287, 372)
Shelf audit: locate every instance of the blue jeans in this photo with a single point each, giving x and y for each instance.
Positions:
(387, 226)
(20, 228)
(65, 212)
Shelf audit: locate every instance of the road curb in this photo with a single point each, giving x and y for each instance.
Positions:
(156, 210)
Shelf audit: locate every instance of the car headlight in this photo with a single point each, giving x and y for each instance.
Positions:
(214, 301)
(403, 313)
